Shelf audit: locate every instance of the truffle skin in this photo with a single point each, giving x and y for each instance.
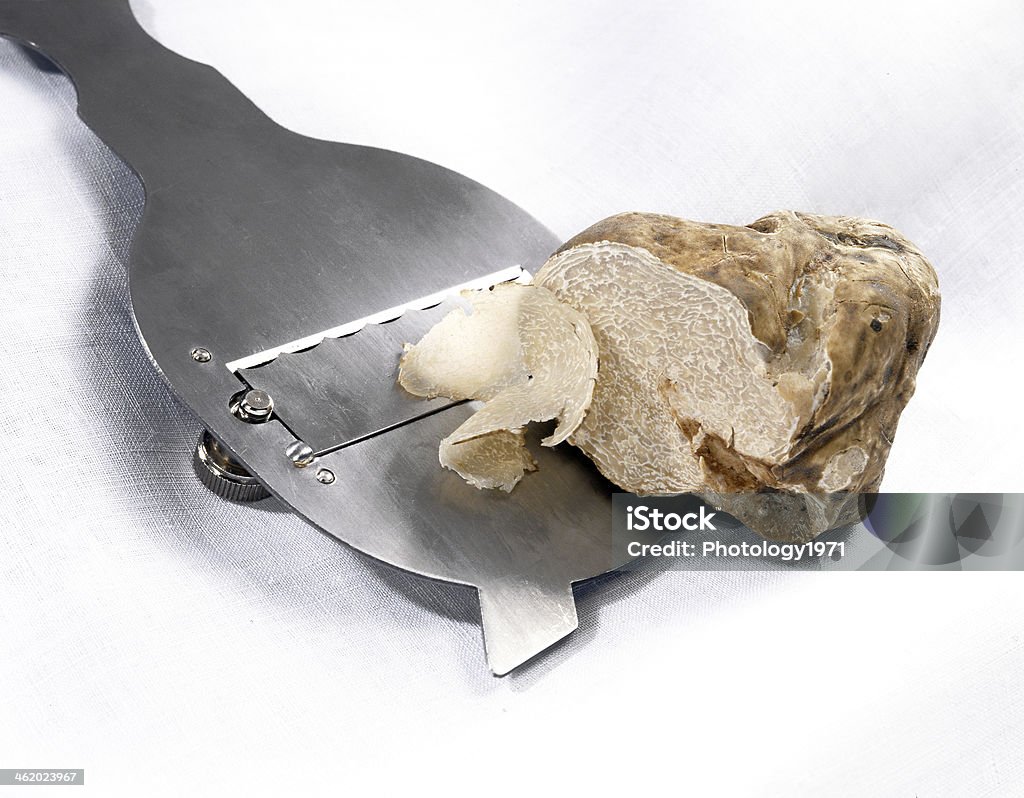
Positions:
(790, 381)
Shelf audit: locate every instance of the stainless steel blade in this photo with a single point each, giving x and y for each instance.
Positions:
(346, 389)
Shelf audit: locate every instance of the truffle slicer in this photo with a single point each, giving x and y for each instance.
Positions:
(256, 243)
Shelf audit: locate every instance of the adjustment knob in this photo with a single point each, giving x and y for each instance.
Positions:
(223, 474)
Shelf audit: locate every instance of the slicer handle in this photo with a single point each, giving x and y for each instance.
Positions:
(160, 112)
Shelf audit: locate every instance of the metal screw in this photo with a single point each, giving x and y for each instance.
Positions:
(200, 355)
(300, 453)
(254, 406)
(325, 476)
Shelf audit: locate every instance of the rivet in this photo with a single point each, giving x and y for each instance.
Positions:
(200, 355)
(300, 453)
(254, 406)
(325, 476)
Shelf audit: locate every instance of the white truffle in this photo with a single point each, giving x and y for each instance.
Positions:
(762, 367)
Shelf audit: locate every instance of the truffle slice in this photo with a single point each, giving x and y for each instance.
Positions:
(495, 460)
(528, 356)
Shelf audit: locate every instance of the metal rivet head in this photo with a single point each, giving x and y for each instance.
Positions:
(200, 355)
(300, 453)
(253, 406)
(325, 476)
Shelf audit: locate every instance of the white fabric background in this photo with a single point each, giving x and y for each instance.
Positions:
(171, 643)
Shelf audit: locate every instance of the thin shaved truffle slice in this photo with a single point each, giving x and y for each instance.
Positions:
(496, 460)
(467, 356)
(527, 355)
